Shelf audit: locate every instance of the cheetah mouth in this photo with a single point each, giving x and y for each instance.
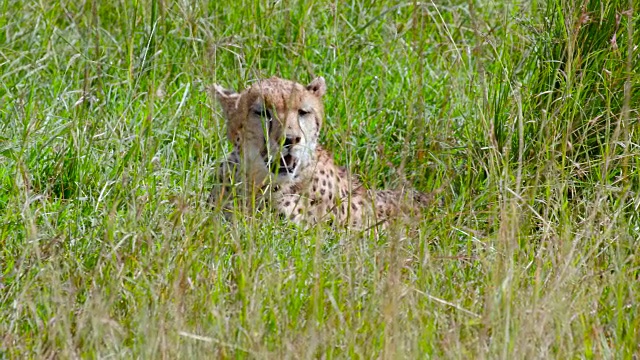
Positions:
(285, 166)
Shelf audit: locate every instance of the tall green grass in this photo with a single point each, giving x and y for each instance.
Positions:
(524, 113)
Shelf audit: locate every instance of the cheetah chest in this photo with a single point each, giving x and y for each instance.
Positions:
(325, 196)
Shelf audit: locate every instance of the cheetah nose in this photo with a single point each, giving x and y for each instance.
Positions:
(291, 140)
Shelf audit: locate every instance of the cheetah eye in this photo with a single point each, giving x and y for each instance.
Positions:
(302, 112)
(263, 113)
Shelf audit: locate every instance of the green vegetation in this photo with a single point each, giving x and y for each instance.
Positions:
(525, 113)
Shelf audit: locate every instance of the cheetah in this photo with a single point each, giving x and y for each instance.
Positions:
(276, 160)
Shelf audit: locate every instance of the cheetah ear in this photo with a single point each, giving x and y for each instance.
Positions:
(317, 86)
(227, 98)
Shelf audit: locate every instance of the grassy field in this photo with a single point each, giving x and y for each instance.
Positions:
(525, 114)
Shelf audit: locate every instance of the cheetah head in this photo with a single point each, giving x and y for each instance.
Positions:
(275, 125)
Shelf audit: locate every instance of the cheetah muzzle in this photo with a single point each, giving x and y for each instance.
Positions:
(285, 166)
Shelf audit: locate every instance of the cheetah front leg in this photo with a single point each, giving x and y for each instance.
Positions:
(294, 207)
